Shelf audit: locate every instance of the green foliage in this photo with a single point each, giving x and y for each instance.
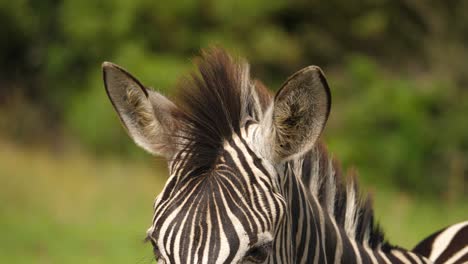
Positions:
(400, 131)
(397, 70)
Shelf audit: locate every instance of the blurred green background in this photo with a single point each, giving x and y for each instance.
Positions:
(74, 188)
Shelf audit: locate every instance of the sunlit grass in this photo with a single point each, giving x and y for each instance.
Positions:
(71, 208)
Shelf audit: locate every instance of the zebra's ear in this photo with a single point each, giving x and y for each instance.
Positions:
(145, 114)
(299, 113)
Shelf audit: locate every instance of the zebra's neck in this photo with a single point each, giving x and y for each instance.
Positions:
(315, 231)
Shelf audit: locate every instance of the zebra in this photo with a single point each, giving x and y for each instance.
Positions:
(448, 245)
(250, 179)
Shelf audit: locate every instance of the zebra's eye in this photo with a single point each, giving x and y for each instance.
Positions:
(258, 254)
(157, 253)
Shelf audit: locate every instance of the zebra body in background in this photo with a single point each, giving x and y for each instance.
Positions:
(448, 245)
(250, 181)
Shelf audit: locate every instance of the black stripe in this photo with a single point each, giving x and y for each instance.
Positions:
(458, 242)
(260, 214)
(424, 247)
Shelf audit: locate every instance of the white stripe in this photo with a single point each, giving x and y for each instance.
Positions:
(443, 240)
(458, 255)
(350, 213)
(205, 256)
(400, 256)
(238, 228)
(384, 257)
(339, 243)
(238, 163)
(308, 233)
(356, 250)
(370, 253)
(321, 222)
(414, 257)
(317, 252)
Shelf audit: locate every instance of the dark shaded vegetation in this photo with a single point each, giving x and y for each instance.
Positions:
(397, 70)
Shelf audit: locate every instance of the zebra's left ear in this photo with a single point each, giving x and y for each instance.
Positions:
(298, 115)
(145, 114)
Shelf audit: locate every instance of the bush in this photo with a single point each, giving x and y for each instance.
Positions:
(402, 132)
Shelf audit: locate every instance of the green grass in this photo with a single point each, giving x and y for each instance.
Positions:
(70, 208)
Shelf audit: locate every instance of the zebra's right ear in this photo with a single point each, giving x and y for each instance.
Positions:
(145, 114)
(298, 115)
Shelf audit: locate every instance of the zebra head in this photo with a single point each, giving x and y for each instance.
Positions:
(226, 140)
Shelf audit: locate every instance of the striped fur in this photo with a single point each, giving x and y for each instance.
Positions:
(449, 245)
(228, 201)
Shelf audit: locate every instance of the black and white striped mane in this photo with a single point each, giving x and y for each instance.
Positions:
(220, 98)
